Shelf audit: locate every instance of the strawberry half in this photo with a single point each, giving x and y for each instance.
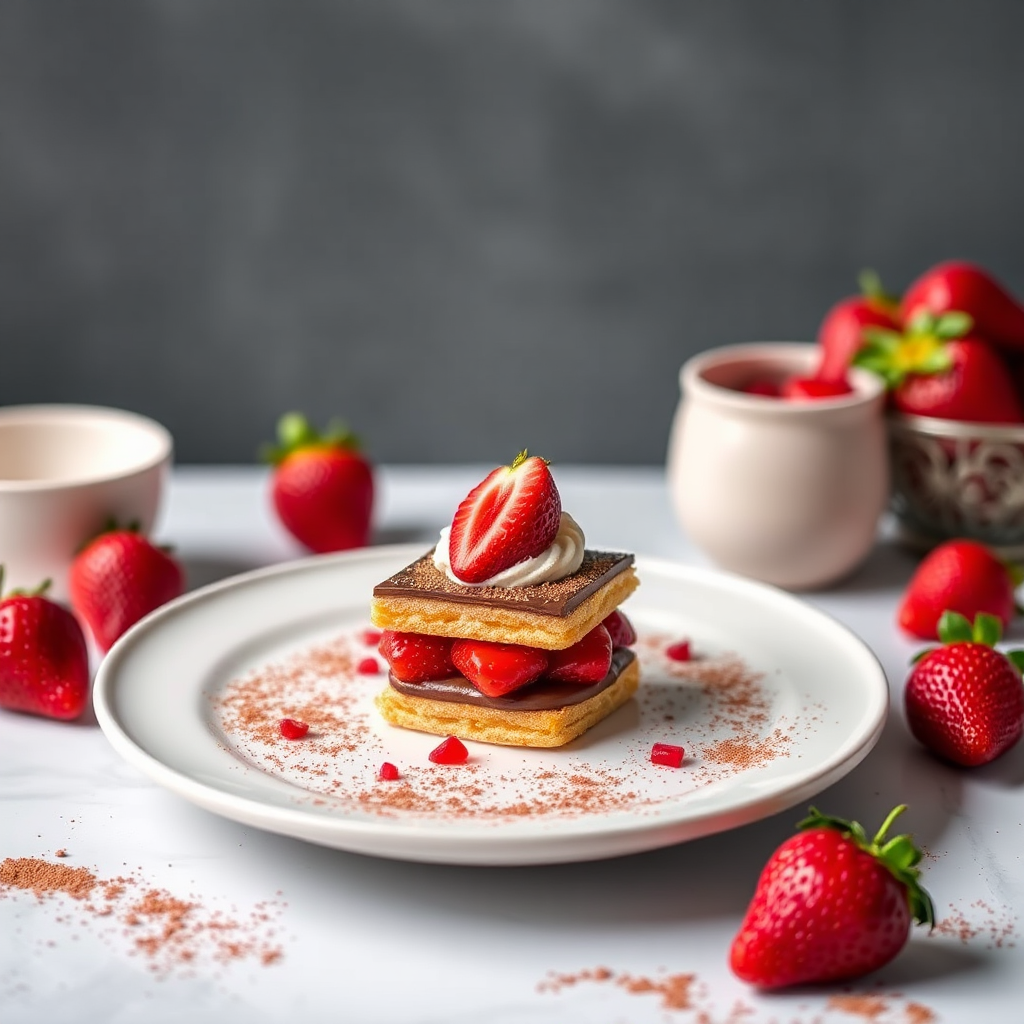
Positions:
(620, 629)
(586, 661)
(417, 657)
(964, 701)
(830, 905)
(495, 668)
(509, 517)
(44, 663)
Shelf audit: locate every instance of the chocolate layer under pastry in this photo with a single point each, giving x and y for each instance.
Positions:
(422, 599)
(523, 726)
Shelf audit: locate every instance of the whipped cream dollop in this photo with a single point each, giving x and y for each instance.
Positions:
(560, 559)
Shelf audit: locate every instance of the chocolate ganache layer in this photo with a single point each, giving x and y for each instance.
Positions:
(543, 695)
(422, 579)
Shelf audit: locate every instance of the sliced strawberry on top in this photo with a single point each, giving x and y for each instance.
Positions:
(495, 668)
(586, 661)
(509, 517)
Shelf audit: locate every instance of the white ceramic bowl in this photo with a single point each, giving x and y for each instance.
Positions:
(65, 471)
(788, 492)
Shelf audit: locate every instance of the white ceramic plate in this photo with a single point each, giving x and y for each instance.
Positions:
(779, 702)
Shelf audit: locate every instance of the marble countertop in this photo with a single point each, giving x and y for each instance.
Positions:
(258, 927)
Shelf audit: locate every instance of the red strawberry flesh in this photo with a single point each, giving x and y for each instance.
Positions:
(495, 668)
(292, 728)
(586, 661)
(450, 751)
(669, 754)
(620, 629)
(417, 657)
(511, 516)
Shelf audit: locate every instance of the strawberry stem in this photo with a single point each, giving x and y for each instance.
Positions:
(295, 432)
(893, 815)
(899, 855)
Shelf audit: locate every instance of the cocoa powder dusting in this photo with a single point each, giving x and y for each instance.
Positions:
(868, 1007)
(716, 707)
(168, 931)
(43, 877)
(674, 989)
(979, 922)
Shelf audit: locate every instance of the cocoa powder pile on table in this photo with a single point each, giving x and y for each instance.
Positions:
(167, 931)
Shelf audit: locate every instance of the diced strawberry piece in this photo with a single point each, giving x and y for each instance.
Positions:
(292, 728)
(511, 516)
(679, 651)
(494, 668)
(620, 629)
(587, 661)
(417, 657)
(388, 772)
(370, 637)
(667, 754)
(450, 751)
(368, 667)
(810, 388)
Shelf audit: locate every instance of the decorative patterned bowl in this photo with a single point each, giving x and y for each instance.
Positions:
(955, 479)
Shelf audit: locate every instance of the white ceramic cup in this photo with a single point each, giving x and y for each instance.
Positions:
(788, 492)
(65, 472)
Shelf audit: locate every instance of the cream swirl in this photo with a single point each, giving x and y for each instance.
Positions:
(560, 559)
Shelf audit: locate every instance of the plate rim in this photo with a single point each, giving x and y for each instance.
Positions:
(616, 837)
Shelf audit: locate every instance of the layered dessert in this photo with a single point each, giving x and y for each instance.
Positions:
(509, 630)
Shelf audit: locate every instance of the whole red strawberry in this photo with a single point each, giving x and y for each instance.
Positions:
(964, 700)
(958, 285)
(937, 369)
(841, 333)
(960, 576)
(322, 487)
(830, 905)
(44, 663)
(511, 516)
(117, 579)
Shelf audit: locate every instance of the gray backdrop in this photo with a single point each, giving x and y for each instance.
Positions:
(472, 226)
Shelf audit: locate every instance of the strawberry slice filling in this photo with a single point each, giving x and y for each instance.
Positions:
(498, 669)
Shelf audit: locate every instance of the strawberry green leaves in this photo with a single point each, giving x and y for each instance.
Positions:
(900, 855)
